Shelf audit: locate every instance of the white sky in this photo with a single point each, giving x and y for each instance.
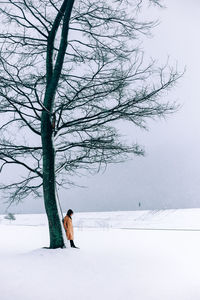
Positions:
(169, 175)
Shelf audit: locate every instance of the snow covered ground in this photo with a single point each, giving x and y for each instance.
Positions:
(115, 261)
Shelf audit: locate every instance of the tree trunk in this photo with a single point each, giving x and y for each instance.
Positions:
(55, 229)
(53, 76)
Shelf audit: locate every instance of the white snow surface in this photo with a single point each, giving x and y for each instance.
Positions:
(121, 256)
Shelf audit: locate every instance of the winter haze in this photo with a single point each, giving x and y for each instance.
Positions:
(169, 175)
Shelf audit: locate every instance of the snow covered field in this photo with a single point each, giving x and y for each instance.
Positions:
(115, 261)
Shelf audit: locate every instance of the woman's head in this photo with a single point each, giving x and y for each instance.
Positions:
(70, 212)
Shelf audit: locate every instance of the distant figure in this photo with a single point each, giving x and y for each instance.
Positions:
(69, 227)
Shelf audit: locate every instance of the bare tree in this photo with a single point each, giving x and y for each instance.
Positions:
(10, 217)
(69, 70)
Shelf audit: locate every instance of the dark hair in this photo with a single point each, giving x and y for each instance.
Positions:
(70, 211)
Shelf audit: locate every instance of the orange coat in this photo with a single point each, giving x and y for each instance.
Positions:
(69, 228)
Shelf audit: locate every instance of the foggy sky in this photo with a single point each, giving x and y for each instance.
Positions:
(169, 175)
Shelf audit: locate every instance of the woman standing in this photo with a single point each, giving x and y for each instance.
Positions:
(69, 227)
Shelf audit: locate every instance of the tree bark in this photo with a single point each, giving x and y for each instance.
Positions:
(55, 229)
